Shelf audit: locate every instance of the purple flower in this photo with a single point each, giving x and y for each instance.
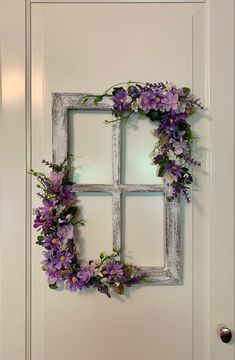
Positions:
(175, 169)
(48, 208)
(179, 118)
(170, 101)
(133, 91)
(180, 147)
(43, 224)
(86, 273)
(103, 289)
(147, 101)
(65, 232)
(54, 276)
(121, 101)
(113, 271)
(56, 179)
(66, 194)
(170, 125)
(158, 101)
(48, 258)
(75, 283)
(179, 92)
(176, 135)
(63, 260)
(52, 242)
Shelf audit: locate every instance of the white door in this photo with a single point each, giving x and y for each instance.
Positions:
(72, 46)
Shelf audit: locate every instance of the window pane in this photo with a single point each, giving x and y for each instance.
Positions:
(96, 235)
(137, 145)
(90, 141)
(143, 228)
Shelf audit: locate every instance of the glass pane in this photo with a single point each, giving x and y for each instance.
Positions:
(137, 145)
(90, 141)
(96, 235)
(143, 228)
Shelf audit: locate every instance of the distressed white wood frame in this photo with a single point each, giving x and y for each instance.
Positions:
(170, 273)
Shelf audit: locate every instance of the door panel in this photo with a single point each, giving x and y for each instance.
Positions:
(87, 48)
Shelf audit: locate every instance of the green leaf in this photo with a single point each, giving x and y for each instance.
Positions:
(186, 91)
(72, 211)
(81, 222)
(163, 161)
(141, 112)
(40, 238)
(68, 182)
(154, 115)
(102, 256)
(85, 99)
(189, 134)
(53, 286)
(161, 171)
(57, 168)
(98, 99)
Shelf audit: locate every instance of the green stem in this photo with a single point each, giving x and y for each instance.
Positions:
(122, 83)
(119, 119)
(109, 257)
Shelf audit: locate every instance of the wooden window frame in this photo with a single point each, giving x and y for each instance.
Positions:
(168, 274)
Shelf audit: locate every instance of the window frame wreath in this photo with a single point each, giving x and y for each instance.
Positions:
(123, 102)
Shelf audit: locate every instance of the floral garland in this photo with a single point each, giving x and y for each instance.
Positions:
(170, 107)
(55, 220)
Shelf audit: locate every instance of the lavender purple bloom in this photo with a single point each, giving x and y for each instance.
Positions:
(85, 273)
(175, 169)
(65, 194)
(74, 283)
(113, 271)
(121, 101)
(62, 260)
(52, 241)
(170, 101)
(48, 208)
(43, 224)
(65, 232)
(56, 179)
(180, 147)
(54, 276)
(147, 101)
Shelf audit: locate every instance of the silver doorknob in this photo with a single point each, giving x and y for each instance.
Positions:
(225, 334)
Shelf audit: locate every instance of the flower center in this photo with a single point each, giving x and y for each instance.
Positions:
(113, 272)
(54, 241)
(158, 99)
(174, 167)
(74, 279)
(62, 258)
(171, 121)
